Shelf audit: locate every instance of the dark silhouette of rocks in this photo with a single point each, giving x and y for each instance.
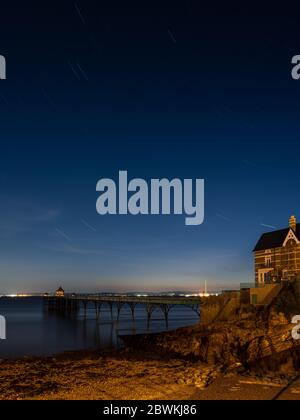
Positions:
(255, 339)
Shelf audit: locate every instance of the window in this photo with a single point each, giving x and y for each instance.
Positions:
(268, 261)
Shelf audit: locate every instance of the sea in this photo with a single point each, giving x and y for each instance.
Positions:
(32, 331)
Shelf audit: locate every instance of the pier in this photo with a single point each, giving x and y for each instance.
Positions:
(209, 309)
(69, 304)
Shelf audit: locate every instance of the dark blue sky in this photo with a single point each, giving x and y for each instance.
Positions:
(174, 91)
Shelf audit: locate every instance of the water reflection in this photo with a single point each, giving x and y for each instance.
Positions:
(33, 331)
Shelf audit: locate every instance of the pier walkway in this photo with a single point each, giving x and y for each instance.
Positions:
(72, 303)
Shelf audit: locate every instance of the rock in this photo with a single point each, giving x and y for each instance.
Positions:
(200, 386)
(258, 339)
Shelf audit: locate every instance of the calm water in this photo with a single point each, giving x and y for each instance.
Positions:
(32, 331)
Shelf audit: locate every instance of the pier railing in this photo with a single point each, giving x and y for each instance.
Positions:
(174, 300)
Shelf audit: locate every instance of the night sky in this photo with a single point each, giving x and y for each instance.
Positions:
(177, 90)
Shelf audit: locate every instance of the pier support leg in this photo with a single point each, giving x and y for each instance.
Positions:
(99, 311)
(166, 309)
(149, 309)
(111, 310)
(96, 310)
(197, 309)
(119, 306)
(132, 308)
(84, 308)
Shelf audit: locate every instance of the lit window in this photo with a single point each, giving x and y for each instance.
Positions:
(268, 261)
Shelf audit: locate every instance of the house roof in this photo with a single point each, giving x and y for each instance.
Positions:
(274, 239)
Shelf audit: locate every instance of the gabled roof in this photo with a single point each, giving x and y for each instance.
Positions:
(274, 239)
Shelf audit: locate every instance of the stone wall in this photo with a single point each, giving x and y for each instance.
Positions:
(264, 295)
(218, 308)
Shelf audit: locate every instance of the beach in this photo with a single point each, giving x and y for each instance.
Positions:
(132, 375)
(250, 356)
(113, 375)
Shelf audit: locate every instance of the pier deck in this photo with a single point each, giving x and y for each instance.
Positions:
(72, 303)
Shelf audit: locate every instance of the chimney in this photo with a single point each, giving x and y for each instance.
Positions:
(293, 223)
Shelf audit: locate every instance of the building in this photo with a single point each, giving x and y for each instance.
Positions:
(60, 292)
(277, 255)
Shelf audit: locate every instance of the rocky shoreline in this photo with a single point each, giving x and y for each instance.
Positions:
(253, 338)
(251, 356)
(134, 375)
